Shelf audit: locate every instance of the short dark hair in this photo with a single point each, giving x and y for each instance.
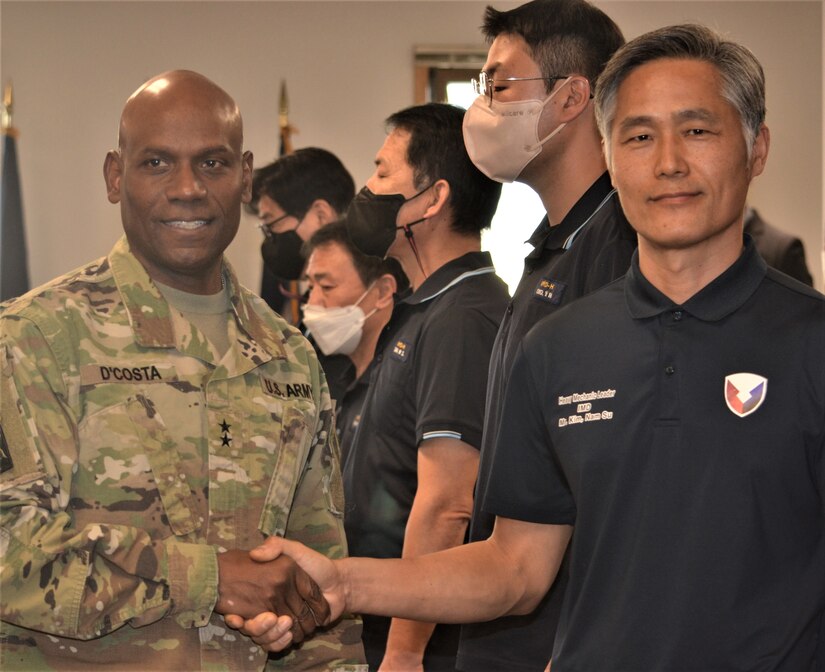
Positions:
(565, 37)
(743, 79)
(296, 180)
(436, 152)
(368, 267)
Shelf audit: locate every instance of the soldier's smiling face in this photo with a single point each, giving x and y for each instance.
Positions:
(180, 177)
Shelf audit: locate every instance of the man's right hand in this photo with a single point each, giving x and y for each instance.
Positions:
(248, 587)
(275, 631)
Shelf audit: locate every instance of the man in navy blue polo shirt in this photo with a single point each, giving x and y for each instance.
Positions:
(543, 62)
(675, 418)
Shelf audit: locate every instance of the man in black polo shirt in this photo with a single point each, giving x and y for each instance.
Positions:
(409, 475)
(676, 417)
(552, 51)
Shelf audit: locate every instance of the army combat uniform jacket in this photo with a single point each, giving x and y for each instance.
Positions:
(131, 457)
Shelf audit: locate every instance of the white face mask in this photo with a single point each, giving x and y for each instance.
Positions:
(337, 331)
(502, 138)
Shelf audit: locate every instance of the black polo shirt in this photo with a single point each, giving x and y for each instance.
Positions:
(686, 443)
(429, 381)
(339, 371)
(348, 412)
(589, 248)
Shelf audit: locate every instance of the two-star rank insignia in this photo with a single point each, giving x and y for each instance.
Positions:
(225, 438)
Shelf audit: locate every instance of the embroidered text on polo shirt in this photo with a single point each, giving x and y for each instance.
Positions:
(550, 290)
(585, 411)
(400, 350)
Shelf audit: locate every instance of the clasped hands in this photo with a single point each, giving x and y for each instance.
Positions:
(269, 597)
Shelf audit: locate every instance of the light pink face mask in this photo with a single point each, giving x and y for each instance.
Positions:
(502, 138)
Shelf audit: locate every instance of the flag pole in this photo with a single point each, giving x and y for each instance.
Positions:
(286, 131)
(283, 121)
(14, 267)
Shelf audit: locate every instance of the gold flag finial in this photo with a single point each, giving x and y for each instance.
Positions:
(8, 105)
(286, 130)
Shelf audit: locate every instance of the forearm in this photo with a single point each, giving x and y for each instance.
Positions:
(460, 585)
(85, 583)
(505, 574)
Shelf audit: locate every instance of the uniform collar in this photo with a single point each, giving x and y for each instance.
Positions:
(451, 274)
(554, 237)
(153, 322)
(721, 297)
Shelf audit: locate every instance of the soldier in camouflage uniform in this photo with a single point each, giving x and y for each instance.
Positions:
(140, 442)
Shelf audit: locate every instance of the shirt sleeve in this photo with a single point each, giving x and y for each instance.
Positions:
(451, 377)
(79, 582)
(526, 481)
(316, 520)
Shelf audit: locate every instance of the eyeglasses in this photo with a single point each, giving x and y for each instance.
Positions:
(266, 227)
(484, 84)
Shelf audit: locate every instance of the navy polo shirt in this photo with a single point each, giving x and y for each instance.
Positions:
(686, 443)
(589, 248)
(429, 381)
(348, 412)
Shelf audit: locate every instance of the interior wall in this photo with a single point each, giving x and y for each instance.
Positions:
(347, 66)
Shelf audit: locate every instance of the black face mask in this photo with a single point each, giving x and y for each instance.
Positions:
(282, 255)
(371, 220)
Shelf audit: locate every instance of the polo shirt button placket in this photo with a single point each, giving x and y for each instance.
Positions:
(671, 322)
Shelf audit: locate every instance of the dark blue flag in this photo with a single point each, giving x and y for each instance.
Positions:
(14, 267)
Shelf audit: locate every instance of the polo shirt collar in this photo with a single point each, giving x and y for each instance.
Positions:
(723, 296)
(547, 237)
(450, 274)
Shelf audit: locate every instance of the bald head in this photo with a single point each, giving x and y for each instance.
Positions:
(180, 175)
(172, 92)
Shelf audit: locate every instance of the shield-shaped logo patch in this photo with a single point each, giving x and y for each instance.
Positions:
(745, 392)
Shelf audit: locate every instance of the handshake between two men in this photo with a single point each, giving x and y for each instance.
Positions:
(265, 587)
(506, 574)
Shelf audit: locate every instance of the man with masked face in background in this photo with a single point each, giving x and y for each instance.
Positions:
(349, 303)
(410, 473)
(534, 122)
(294, 197)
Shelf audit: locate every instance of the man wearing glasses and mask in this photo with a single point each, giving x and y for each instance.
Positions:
(295, 196)
(534, 122)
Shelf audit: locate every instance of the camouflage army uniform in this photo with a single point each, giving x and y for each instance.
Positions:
(130, 455)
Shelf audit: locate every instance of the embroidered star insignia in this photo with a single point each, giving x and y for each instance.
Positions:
(225, 427)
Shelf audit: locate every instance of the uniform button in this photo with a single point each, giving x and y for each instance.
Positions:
(677, 315)
(510, 309)
(669, 370)
(529, 271)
